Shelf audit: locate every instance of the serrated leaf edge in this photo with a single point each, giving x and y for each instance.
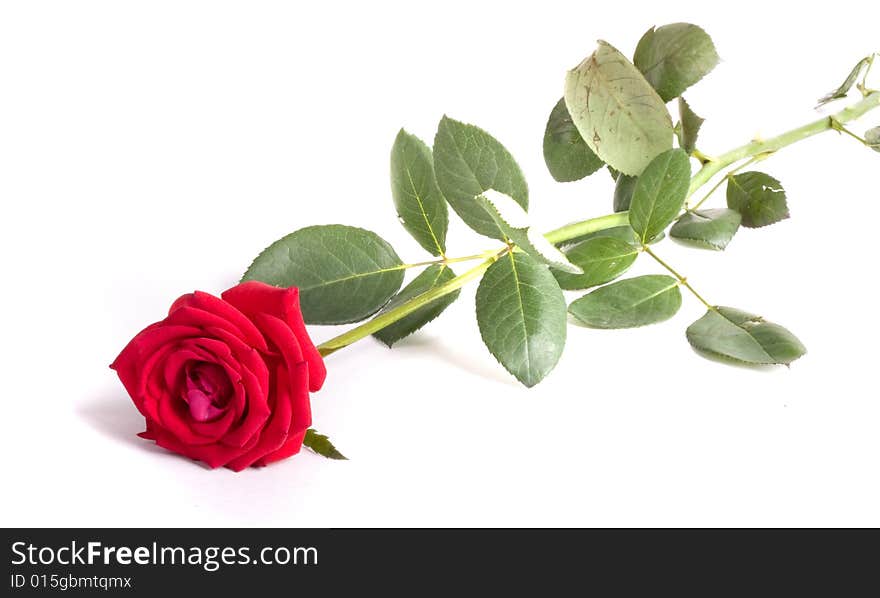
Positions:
(315, 441)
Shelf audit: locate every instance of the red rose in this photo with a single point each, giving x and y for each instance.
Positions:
(226, 381)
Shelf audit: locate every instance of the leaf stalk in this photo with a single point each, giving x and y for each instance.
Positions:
(681, 279)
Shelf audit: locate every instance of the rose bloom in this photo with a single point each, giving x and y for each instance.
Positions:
(226, 381)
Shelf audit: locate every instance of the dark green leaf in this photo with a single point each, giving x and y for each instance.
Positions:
(844, 87)
(623, 191)
(568, 158)
(469, 161)
(321, 445)
(688, 127)
(708, 229)
(674, 57)
(629, 303)
(744, 337)
(614, 174)
(433, 276)
(344, 274)
(602, 259)
(758, 197)
(659, 194)
(420, 206)
(872, 138)
(521, 314)
(514, 223)
(619, 115)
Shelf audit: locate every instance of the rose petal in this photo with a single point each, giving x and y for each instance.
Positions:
(256, 409)
(129, 365)
(214, 455)
(292, 446)
(232, 319)
(281, 337)
(253, 297)
(273, 436)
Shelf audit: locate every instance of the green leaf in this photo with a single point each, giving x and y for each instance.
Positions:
(758, 197)
(521, 314)
(843, 89)
(708, 229)
(602, 259)
(619, 115)
(659, 194)
(514, 223)
(567, 156)
(674, 57)
(629, 303)
(688, 127)
(344, 274)
(420, 206)
(623, 191)
(321, 445)
(744, 337)
(432, 277)
(872, 138)
(469, 161)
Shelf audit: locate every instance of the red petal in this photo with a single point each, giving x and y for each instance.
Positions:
(254, 297)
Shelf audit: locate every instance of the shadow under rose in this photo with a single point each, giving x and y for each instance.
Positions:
(114, 416)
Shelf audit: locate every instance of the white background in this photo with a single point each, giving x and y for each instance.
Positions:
(151, 148)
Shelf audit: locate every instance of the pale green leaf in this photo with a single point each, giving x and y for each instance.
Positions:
(688, 127)
(758, 197)
(344, 274)
(522, 318)
(744, 337)
(432, 277)
(674, 57)
(602, 259)
(659, 194)
(420, 206)
(617, 112)
(514, 223)
(629, 303)
(567, 156)
(708, 229)
(321, 445)
(469, 161)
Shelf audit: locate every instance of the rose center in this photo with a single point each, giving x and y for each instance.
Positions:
(206, 390)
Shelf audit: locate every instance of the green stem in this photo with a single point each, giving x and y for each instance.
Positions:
(585, 227)
(767, 146)
(703, 158)
(681, 279)
(401, 311)
(451, 260)
(755, 149)
(839, 127)
(565, 233)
